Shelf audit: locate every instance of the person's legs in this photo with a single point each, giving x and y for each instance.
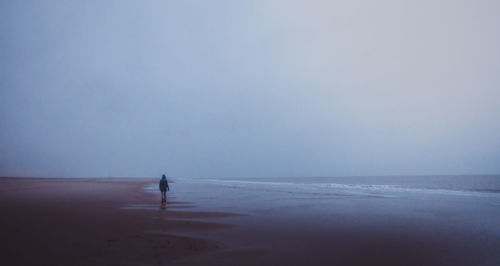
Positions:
(163, 196)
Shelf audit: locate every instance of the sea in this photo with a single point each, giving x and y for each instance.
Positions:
(256, 192)
(461, 185)
(444, 215)
(463, 202)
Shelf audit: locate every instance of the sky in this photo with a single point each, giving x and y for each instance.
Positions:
(250, 88)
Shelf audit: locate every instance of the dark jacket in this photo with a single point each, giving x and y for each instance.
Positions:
(164, 185)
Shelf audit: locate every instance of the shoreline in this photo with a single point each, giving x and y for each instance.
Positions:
(82, 221)
(113, 221)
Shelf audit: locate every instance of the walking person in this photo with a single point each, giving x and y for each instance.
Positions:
(164, 188)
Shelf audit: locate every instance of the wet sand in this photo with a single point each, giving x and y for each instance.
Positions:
(116, 222)
(83, 222)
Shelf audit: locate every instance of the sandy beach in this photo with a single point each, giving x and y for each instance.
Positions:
(119, 222)
(83, 222)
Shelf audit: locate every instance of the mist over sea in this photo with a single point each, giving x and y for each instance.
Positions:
(293, 132)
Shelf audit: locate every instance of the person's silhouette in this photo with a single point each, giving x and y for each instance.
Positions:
(164, 188)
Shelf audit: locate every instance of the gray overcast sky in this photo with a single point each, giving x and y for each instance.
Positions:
(249, 88)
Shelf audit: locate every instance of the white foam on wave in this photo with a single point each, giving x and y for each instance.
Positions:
(353, 188)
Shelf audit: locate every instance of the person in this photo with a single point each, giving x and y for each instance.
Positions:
(164, 188)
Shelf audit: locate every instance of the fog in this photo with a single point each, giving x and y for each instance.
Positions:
(249, 88)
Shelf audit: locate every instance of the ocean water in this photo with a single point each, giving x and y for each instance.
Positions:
(440, 193)
(453, 202)
(467, 186)
(442, 215)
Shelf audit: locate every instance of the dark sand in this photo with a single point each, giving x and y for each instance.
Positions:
(115, 222)
(82, 222)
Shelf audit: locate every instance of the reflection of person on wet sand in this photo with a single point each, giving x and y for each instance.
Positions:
(164, 188)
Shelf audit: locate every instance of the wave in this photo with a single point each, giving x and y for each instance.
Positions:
(353, 188)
